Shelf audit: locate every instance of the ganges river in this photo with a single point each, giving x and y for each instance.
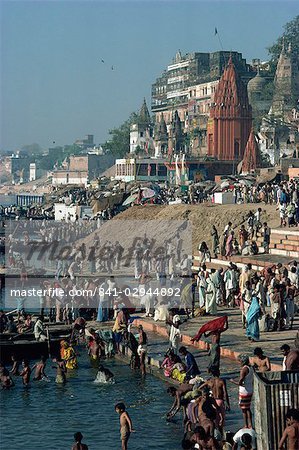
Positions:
(46, 415)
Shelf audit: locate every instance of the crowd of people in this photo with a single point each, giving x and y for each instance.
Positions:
(204, 402)
(266, 300)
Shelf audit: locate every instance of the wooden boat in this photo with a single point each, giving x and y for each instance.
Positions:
(28, 347)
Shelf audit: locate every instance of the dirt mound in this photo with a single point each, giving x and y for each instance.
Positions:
(202, 217)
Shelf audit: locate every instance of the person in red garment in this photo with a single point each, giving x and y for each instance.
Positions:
(213, 328)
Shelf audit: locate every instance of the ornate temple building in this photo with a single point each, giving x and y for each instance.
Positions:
(161, 138)
(176, 136)
(230, 117)
(259, 95)
(141, 133)
(251, 159)
(279, 131)
(286, 85)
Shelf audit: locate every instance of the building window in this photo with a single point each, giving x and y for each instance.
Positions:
(162, 171)
(141, 133)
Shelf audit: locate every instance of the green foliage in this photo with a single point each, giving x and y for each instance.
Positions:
(71, 150)
(265, 160)
(119, 143)
(138, 150)
(290, 35)
(47, 162)
(32, 149)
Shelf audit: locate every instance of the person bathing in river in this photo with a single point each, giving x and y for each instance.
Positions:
(126, 426)
(206, 411)
(6, 381)
(104, 375)
(15, 366)
(60, 370)
(204, 440)
(40, 370)
(142, 348)
(69, 356)
(219, 390)
(78, 445)
(178, 394)
(95, 350)
(26, 372)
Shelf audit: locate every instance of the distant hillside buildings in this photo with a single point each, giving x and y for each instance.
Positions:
(214, 106)
(81, 169)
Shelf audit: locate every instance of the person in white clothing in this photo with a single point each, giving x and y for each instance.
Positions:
(245, 438)
(175, 333)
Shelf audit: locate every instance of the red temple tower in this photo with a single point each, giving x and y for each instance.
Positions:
(230, 117)
(252, 158)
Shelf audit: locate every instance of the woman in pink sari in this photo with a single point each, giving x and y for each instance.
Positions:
(168, 363)
(229, 245)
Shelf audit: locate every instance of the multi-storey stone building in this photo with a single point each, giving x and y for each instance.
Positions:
(187, 87)
(171, 91)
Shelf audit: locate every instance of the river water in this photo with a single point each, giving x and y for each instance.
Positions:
(46, 415)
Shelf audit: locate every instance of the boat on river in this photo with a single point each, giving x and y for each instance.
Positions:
(25, 345)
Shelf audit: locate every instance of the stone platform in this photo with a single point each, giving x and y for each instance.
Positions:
(233, 341)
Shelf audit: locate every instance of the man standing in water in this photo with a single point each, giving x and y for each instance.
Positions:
(26, 372)
(126, 426)
(40, 370)
(78, 445)
(142, 348)
(219, 390)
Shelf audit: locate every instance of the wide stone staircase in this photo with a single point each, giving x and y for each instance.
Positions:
(283, 242)
(284, 248)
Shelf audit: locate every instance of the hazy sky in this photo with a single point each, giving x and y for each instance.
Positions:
(54, 86)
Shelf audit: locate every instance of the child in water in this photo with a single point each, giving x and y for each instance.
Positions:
(104, 375)
(126, 426)
(78, 445)
(60, 370)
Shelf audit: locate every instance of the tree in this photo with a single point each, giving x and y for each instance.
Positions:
(32, 149)
(265, 160)
(119, 144)
(290, 35)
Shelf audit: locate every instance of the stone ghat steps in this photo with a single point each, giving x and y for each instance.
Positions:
(258, 262)
(284, 247)
(217, 263)
(282, 242)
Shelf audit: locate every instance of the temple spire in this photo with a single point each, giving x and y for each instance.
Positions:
(144, 114)
(252, 158)
(229, 128)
